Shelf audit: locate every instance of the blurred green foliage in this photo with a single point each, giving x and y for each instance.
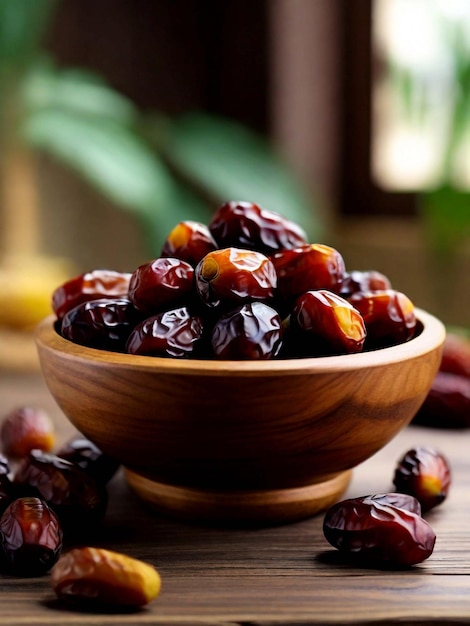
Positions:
(163, 170)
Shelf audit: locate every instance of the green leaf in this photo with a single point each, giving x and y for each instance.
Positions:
(446, 213)
(75, 90)
(227, 161)
(112, 158)
(22, 26)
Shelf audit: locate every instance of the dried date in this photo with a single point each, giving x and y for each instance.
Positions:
(377, 532)
(24, 429)
(30, 536)
(189, 241)
(425, 474)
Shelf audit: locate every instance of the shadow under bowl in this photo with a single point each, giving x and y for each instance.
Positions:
(240, 442)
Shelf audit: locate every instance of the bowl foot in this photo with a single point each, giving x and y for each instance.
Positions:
(276, 506)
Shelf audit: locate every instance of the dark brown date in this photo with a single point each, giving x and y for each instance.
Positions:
(389, 316)
(368, 280)
(310, 267)
(89, 457)
(376, 532)
(232, 276)
(189, 241)
(103, 324)
(89, 286)
(24, 429)
(30, 536)
(78, 499)
(425, 474)
(251, 331)
(447, 404)
(174, 333)
(324, 323)
(161, 284)
(247, 225)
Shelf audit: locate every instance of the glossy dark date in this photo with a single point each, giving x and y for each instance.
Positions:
(247, 225)
(31, 536)
(376, 531)
(89, 457)
(174, 333)
(251, 331)
(189, 241)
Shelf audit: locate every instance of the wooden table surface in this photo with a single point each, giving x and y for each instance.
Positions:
(284, 575)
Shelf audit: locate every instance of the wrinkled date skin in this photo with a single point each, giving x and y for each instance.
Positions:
(103, 324)
(425, 474)
(77, 498)
(100, 577)
(31, 536)
(325, 323)
(234, 276)
(189, 241)
(90, 458)
(379, 533)
(252, 331)
(174, 333)
(161, 284)
(24, 429)
(362, 281)
(246, 225)
(312, 266)
(89, 286)
(389, 316)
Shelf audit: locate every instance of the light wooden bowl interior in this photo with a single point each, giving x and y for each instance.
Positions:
(240, 441)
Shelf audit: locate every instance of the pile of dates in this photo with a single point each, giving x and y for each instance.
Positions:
(389, 529)
(248, 285)
(47, 497)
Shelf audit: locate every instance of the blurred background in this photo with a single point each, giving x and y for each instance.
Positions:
(118, 118)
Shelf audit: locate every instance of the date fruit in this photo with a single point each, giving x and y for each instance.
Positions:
(161, 284)
(103, 324)
(174, 333)
(375, 531)
(389, 316)
(90, 458)
(189, 241)
(251, 331)
(24, 429)
(247, 225)
(312, 266)
(456, 355)
(30, 536)
(365, 280)
(447, 404)
(89, 286)
(104, 578)
(232, 276)
(425, 474)
(79, 500)
(326, 323)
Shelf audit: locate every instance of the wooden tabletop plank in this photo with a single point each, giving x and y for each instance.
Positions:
(267, 576)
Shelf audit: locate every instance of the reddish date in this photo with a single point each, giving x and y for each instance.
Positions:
(174, 333)
(389, 316)
(161, 284)
(78, 499)
(361, 281)
(232, 276)
(425, 474)
(247, 225)
(89, 286)
(376, 531)
(24, 429)
(189, 241)
(312, 266)
(31, 536)
(103, 324)
(251, 331)
(89, 457)
(324, 323)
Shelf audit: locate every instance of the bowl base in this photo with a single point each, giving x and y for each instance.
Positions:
(222, 508)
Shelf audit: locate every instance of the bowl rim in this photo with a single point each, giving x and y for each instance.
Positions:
(431, 337)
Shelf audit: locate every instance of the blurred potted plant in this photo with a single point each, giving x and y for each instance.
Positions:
(160, 169)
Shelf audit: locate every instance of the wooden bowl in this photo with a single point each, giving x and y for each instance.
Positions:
(240, 441)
